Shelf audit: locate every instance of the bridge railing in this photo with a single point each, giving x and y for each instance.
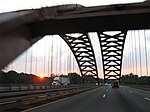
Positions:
(19, 87)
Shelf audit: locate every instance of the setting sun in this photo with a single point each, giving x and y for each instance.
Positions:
(41, 76)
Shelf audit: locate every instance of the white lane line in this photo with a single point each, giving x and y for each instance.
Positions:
(104, 95)
(140, 90)
(147, 98)
(130, 91)
(7, 102)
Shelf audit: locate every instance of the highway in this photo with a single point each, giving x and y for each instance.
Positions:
(102, 99)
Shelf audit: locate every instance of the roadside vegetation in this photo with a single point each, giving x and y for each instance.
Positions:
(12, 77)
(132, 79)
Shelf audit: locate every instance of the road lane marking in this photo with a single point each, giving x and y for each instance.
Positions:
(104, 95)
(147, 98)
(31, 109)
(140, 90)
(42, 96)
(7, 102)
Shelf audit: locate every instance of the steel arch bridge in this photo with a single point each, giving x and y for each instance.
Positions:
(82, 49)
(20, 29)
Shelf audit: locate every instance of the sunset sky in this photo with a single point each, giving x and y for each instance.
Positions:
(61, 53)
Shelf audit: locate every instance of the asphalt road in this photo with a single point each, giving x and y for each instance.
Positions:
(102, 99)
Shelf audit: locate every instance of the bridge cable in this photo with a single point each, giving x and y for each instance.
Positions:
(146, 52)
(56, 57)
(31, 60)
(129, 60)
(69, 61)
(135, 51)
(140, 52)
(73, 63)
(60, 56)
(36, 58)
(132, 56)
(130, 64)
(30, 65)
(26, 61)
(51, 56)
(128, 37)
(48, 66)
(66, 59)
(125, 63)
(70, 67)
(44, 54)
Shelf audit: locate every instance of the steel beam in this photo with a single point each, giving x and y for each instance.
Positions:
(81, 47)
(112, 46)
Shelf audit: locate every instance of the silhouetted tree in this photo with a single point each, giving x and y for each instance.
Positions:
(75, 78)
(134, 79)
(13, 77)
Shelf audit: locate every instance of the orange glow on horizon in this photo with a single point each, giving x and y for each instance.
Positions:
(41, 76)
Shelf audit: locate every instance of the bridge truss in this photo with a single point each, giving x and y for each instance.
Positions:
(112, 46)
(81, 47)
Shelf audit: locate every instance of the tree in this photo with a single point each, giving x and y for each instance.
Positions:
(75, 78)
(134, 79)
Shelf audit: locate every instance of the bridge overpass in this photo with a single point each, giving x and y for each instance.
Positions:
(24, 28)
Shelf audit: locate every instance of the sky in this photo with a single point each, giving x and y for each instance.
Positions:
(60, 51)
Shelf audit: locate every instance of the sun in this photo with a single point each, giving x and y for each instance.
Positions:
(41, 76)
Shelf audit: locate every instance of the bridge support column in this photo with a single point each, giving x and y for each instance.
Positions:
(81, 46)
(112, 45)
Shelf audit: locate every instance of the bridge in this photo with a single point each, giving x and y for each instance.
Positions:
(24, 28)
(28, 26)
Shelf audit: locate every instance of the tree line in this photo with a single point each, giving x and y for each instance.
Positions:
(135, 79)
(12, 77)
(87, 79)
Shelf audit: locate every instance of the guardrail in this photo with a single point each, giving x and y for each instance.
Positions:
(21, 98)
(39, 91)
(14, 88)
